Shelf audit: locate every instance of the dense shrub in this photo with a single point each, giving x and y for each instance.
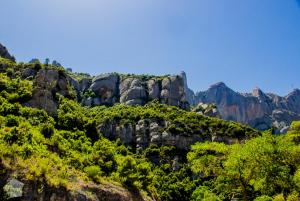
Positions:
(263, 167)
(47, 129)
(12, 121)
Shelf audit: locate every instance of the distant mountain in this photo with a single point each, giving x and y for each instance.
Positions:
(257, 109)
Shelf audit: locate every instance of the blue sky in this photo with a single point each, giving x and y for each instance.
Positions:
(244, 43)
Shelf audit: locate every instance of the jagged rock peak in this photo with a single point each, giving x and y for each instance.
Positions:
(218, 85)
(183, 75)
(257, 92)
(5, 54)
(255, 109)
(295, 92)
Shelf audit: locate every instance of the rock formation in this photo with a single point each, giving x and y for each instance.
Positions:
(190, 96)
(133, 90)
(105, 89)
(210, 110)
(257, 109)
(25, 190)
(47, 83)
(142, 133)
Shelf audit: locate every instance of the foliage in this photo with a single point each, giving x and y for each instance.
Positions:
(262, 166)
(203, 193)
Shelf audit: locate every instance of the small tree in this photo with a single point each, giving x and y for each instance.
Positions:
(47, 61)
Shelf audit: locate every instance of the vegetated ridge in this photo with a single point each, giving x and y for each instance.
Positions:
(121, 138)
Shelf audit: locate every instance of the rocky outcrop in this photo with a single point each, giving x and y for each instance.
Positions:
(173, 92)
(190, 96)
(210, 110)
(142, 133)
(25, 190)
(105, 88)
(133, 90)
(84, 84)
(5, 54)
(257, 109)
(47, 83)
(153, 86)
(28, 73)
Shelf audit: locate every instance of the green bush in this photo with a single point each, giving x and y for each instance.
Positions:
(93, 171)
(295, 126)
(263, 198)
(202, 193)
(12, 121)
(47, 129)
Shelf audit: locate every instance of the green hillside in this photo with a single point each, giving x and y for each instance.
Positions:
(68, 152)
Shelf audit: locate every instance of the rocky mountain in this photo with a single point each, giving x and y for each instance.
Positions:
(131, 90)
(105, 89)
(257, 109)
(71, 136)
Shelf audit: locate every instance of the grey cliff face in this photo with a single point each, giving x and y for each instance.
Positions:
(133, 90)
(105, 88)
(84, 84)
(46, 84)
(190, 96)
(153, 89)
(173, 92)
(142, 133)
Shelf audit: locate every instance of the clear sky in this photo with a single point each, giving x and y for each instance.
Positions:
(244, 43)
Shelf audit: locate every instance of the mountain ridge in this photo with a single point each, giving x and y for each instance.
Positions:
(258, 109)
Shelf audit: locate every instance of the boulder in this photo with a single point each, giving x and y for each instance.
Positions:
(153, 89)
(132, 92)
(172, 92)
(74, 83)
(284, 130)
(142, 134)
(125, 133)
(105, 87)
(210, 110)
(47, 83)
(27, 73)
(84, 84)
(43, 99)
(13, 188)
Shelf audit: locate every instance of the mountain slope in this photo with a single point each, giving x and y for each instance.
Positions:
(125, 145)
(257, 109)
